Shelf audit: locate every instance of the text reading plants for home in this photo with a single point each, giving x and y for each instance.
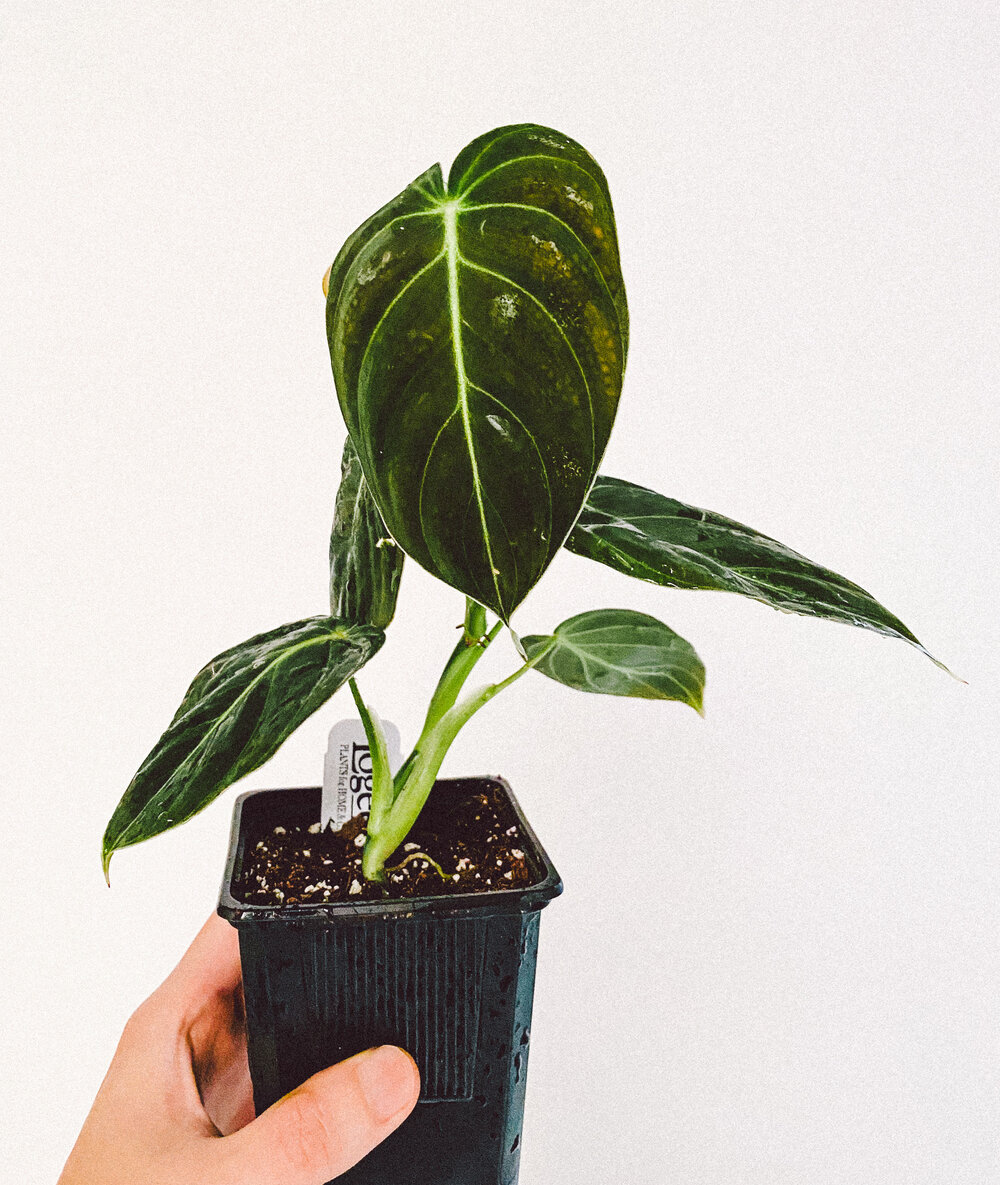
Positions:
(478, 332)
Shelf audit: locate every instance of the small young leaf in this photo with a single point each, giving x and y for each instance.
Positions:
(655, 538)
(365, 563)
(477, 335)
(620, 652)
(238, 711)
(378, 750)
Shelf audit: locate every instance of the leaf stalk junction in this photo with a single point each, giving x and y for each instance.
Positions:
(398, 800)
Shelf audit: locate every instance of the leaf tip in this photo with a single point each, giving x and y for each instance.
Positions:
(937, 662)
(947, 670)
(106, 854)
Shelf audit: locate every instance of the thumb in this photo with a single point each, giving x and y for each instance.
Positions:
(327, 1125)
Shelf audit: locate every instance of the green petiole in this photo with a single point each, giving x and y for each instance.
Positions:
(396, 802)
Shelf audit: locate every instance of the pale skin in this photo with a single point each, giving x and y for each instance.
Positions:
(176, 1107)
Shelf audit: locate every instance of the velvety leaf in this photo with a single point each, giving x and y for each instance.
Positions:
(235, 715)
(620, 652)
(478, 334)
(644, 534)
(525, 164)
(365, 563)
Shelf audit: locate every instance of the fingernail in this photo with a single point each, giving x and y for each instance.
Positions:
(388, 1080)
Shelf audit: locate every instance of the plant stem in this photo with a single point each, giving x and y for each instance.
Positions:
(419, 772)
(470, 649)
(475, 621)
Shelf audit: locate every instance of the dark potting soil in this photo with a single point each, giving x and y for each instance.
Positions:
(474, 846)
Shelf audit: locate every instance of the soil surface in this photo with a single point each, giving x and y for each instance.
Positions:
(473, 847)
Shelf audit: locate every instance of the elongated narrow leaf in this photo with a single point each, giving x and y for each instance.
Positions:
(620, 652)
(378, 750)
(236, 714)
(478, 335)
(644, 534)
(365, 563)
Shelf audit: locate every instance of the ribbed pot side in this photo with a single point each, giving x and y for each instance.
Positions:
(450, 979)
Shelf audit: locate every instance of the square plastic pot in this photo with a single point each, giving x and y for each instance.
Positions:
(450, 979)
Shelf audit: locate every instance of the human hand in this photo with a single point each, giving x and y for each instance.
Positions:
(176, 1106)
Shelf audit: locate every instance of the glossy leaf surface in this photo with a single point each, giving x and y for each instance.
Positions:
(365, 563)
(620, 652)
(235, 715)
(478, 335)
(644, 534)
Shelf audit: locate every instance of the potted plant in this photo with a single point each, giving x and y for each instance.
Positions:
(478, 332)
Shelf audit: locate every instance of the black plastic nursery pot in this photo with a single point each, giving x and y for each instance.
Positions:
(449, 978)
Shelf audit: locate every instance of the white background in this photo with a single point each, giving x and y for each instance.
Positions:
(779, 963)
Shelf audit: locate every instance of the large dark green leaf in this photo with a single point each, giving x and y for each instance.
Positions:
(478, 334)
(525, 164)
(620, 652)
(644, 534)
(235, 715)
(365, 563)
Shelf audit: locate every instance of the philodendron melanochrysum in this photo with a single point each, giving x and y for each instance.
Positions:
(478, 331)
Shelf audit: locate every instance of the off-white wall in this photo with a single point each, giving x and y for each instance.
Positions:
(799, 985)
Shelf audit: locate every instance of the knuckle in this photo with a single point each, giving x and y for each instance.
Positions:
(307, 1136)
(140, 1024)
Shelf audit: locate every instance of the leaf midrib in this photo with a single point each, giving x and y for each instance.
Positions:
(450, 214)
(629, 672)
(448, 210)
(331, 635)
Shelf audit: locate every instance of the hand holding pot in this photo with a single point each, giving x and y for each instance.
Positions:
(176, 1105)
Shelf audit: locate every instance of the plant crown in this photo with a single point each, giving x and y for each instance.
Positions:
(478, 331)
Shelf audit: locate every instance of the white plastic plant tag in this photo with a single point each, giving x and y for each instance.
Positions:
(347, 770)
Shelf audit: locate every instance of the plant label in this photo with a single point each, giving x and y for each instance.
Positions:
(347, 771)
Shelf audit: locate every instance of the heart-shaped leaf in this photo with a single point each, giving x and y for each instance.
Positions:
(478, 334)
(644, 534)
(620, 652)
(365, 563)
(235, 715)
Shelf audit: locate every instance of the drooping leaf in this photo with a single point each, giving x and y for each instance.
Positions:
(620, 652)
(478, 334)
(365, 563)
(235, 715)
(660, 540)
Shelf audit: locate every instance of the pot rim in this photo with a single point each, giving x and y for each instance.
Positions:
(490, 902)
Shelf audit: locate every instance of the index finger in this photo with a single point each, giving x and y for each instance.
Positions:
(210, 966)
